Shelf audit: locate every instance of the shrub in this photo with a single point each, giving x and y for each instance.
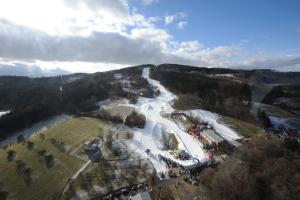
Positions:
(42, 152)
(30, 145)
(11, 154)
(20, 139)
(49, 160)
(135, 120)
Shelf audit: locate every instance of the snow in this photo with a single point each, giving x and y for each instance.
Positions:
(225, 75)
(4, 112)
(150, 137)
(36, 129)
(279, 121)
(214, 120)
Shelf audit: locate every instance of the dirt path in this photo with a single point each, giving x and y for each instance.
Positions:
(83, 167)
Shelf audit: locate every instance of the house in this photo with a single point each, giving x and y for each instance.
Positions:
(91, 145)
(211, 137)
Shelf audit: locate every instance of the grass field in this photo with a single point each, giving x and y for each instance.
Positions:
(243, 128)
(47, 181)
(276, 111)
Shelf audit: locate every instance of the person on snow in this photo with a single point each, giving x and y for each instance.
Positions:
(148, 151)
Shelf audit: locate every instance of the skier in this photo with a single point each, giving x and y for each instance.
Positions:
(148, 151)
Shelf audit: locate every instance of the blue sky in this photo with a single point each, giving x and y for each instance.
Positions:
(57, 36)
(269, 25)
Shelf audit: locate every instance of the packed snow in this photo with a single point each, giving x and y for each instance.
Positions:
(36, 129)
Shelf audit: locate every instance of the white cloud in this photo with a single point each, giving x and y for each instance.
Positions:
(182, 24)
(178, 18)
(149, 2)
(298, 29)
(279, 62)
(96, 35)
(169, 19)
(67, 17)
(20, 42)
(28, 69)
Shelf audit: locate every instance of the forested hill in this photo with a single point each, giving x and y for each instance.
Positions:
(227, 91)
(34, 99)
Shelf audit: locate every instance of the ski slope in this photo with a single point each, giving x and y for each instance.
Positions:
(151, 136)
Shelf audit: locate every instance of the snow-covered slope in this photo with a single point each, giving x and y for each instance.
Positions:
(151, 136)
(214, 120)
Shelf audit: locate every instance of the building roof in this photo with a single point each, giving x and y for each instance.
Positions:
(212, 136)
(142, 196)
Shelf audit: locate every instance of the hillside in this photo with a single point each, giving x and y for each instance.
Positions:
(31, 100)
(123, 132)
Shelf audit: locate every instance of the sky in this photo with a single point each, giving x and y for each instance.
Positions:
(51, 37)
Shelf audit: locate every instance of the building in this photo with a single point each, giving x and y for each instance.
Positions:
(211, 137)
(142, 196)
(91, 145)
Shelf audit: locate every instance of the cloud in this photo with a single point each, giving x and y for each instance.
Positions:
(178, 18)
(141, 45)
(118, 7)
(298, 29)
(31, 70)
(68, 17)
(98, 35)
(169, 19)
(149, 2)
(182, 24)
(19, 42)
(279, 63)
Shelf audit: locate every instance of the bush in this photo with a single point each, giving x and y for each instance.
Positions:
(49, 160)
(30, 145)
(129, 135)
(20, 166)
(20, 139)
(42, 152)
(173, 142)
(135, 120)
(11, 154)
(27, 176)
